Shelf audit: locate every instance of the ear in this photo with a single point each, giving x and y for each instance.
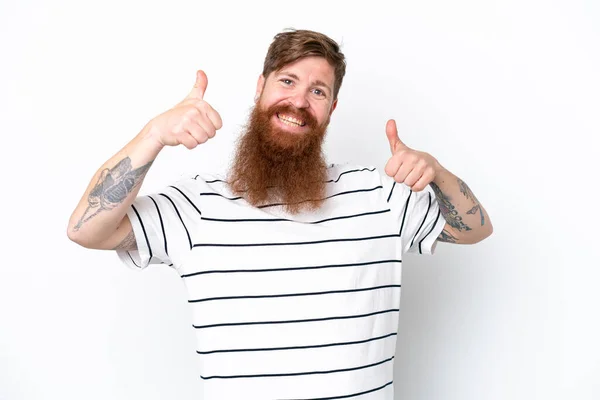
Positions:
(259, 86)
(333, 106)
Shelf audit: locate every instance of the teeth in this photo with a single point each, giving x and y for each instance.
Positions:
(290, 120)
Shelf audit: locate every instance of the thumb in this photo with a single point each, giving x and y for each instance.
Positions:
(199, 88)
(391, 132)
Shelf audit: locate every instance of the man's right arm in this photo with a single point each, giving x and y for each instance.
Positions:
(100, 219)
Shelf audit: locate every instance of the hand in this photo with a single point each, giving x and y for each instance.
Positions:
(191, 122)
(415, 169)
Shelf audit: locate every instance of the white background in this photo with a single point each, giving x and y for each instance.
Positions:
(505, 94)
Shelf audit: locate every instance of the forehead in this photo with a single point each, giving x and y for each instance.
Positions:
(312, 68)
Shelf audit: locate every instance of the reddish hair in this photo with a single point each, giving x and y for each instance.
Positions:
(292, 45)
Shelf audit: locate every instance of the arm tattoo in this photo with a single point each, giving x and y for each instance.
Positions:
(128, 243)
(448, 210)
(447, 237)
(113, 186)
(464, 189)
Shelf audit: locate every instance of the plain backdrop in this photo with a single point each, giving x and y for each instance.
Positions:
(505, 94)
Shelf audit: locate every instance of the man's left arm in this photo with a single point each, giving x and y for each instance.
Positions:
(467, 222)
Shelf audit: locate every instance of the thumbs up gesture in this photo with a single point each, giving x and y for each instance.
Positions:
(415, 169)
(191, 122)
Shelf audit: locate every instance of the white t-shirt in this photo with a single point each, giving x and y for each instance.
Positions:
(290, 306)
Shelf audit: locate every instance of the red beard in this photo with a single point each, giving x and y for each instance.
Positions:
(272, 165)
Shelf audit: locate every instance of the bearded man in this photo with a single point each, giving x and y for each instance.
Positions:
(292, 266)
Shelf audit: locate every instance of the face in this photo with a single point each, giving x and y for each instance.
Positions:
(304, 90)
(279, 157)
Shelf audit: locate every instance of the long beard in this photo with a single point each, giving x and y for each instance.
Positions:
(272, 165)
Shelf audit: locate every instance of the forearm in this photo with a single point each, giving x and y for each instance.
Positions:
(112, 190)
(460, 208)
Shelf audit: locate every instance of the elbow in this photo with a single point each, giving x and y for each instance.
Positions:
(487, 233)
(75, 236)
(490, 229)
(72, 233)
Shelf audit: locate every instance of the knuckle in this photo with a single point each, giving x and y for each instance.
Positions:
(402, 154)
(388, 170)
(176, 133)
(219, 120)
(201, 106)
(186, 119)
(192, 112)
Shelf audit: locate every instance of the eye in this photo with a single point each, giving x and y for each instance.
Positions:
(319, 92)
(286, 81)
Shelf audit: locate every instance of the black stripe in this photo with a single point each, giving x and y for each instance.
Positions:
(316, 346)
(293, 243)
(298, 373)
(290, 268)
(269, 296)
(405, 210)
(187, 198)
(132, 260)
(422, 222)
(219, 195)
(328, 197)
(251, 220)
(353, 216)
(297, 320)
(143, 230)
(291, 220)
(432, 227)
(391, 191)
(300, 202)
(329, 181)
(162, 226)
(347, 172)
(181, 219)
(348, 395)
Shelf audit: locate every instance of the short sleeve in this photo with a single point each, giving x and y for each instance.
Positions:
(161, 224)
(417, 214)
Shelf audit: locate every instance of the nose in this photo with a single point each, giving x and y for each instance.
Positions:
(299, 100)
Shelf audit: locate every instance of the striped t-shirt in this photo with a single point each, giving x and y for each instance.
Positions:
(290, 306)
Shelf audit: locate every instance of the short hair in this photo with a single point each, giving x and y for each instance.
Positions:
(292, 45)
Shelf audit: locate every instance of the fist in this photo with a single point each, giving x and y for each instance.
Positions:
(191, 122)
(415, 169)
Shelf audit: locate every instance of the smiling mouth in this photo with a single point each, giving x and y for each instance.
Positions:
(290, 121)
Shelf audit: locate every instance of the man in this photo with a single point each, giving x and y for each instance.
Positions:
(292, 266)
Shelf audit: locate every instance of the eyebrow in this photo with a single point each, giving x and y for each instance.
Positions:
(317, 82)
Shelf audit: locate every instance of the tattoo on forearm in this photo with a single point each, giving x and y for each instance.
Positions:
(447, 237)
(113, 186)
(449, 211)
(464, 189)
(128, 243)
